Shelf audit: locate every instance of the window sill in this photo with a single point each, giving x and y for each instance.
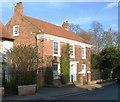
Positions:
(83, 57)
(56, 55)
(72, 56)
(15, 34)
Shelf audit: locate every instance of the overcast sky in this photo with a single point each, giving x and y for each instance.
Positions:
(82, 13)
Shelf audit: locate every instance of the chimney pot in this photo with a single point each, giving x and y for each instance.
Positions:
(18, 9)
(65, 25)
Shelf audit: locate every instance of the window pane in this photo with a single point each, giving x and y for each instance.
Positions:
(55, 47)
(83, 52)
(71, 50)
(16, 30)
(55, 67)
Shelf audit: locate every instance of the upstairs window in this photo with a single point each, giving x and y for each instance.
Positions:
(72, 51)
(16, 30)
(83, 53)
(56, 49)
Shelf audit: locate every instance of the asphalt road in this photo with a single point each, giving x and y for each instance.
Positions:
(111, 92)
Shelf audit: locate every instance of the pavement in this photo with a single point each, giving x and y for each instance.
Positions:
(46, 93)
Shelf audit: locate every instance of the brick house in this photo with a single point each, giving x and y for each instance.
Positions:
(50, 41)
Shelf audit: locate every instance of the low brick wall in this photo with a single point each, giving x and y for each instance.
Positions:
(1, 91)
(26, 89)
(57, 82)
(95, 74)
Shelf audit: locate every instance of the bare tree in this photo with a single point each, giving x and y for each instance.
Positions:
(111, 38)
(87, 36)
(74, 28)
(97, 31)
(22, 57)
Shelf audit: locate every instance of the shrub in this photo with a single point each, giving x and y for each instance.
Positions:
(49, 75)
(65, 64)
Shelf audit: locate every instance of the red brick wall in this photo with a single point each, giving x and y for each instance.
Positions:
(25, 36)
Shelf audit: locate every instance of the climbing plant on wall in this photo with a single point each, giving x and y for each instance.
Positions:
(65, 64)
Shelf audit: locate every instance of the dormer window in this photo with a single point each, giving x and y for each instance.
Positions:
(16, 30)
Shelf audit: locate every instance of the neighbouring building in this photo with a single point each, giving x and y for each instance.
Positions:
(50, 42)
(6, 43)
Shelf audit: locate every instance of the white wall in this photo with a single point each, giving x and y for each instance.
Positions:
(7, 45)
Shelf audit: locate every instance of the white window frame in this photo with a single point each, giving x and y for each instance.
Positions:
(83, 55)
(56, 71)
(14, 30)
(83, 70)
(73, 56)
(58, 55)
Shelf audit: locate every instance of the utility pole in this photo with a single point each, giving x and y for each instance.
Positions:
(37, 84)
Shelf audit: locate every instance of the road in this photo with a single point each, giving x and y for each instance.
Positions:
(111, 92)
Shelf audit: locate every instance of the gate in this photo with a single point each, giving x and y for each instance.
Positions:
(9, 82)
(11, 79)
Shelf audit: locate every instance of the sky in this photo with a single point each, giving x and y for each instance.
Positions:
(82, 13)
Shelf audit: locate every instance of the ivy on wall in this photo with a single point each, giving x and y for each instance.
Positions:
(65, 64)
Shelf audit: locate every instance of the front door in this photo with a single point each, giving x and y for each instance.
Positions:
(73, 73)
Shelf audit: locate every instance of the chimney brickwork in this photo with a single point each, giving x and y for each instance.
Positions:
(65, 25)
(18, 9)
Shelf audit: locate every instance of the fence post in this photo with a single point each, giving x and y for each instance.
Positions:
(17, 82)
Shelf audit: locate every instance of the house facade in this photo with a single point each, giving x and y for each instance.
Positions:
(50, 40)
(6, 43)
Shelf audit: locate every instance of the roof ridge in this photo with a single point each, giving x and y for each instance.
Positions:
(74, 36)
(42, 21)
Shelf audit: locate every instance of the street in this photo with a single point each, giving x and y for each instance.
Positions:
(111, 92)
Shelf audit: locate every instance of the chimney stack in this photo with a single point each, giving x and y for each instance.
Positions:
(18, 9)
(65, 25)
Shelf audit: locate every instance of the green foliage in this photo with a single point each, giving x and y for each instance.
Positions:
(106, 74)
(49, 75)
(109, 58)
(26, 77)
(65, 64)
(94, 61)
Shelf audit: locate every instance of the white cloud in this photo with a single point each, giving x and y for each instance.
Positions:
(111, 5)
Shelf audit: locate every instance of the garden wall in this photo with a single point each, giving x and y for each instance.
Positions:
(95, 74)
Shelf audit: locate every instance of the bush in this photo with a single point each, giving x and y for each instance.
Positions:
(94, 61)
(49, 75)
(26, 77)
(65, 64)
(106, 74)
(64, 78)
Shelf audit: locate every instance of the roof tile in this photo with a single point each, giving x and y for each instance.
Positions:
(55, 30)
